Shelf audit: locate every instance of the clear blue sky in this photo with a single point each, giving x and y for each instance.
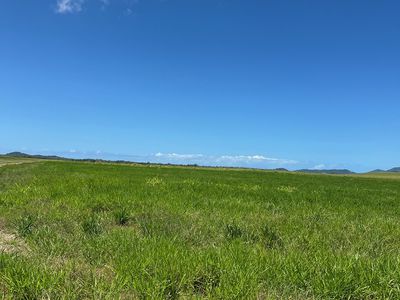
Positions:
(272, 83)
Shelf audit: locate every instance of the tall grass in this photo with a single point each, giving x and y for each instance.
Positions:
(104, 231)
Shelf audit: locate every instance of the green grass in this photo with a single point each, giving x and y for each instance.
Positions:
(105, 231)
(15, 160)
(386, 175)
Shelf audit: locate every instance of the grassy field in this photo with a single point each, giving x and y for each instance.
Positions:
(386, 175)
(71, 230)
(15, 161)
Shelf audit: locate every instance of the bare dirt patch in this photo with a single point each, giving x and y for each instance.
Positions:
(10, 243)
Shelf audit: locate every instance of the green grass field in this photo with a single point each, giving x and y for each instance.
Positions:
(71, 230)
(15, 161)
(386, 175)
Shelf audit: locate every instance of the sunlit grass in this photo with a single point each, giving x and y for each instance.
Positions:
(104, 231)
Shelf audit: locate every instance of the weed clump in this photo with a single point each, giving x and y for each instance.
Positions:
(122, 217)
(287, 189)
(154, 181)
(92, 225)
(99, 207)
(206, 282)
(25, 225)
(271, 238)
(172, 288)
(233, 231)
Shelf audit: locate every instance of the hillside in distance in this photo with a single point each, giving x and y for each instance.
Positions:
(329, 171)
(18, 154)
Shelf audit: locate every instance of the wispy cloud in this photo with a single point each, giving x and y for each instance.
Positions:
(251, 161)
(319, 167)
(76, 6)
(104, 4)
(222, 160)
(128, 11)
(69, 6)
(178, 156)
(253, 158)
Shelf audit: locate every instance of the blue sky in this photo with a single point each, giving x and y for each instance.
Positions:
(272, 83)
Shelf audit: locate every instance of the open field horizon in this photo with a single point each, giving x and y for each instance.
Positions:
(205, 149)
(19, 157)
(77, 230)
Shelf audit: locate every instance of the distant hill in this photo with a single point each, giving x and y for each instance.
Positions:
(312, 171)
(24, 155)
(393, 170)
(16, 154)
(331, 171)
(377, 171)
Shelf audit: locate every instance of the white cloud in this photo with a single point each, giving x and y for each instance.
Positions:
(319, 167)
(252, 158)
(178, 156)
(76, 6)
(104, 4)
(250, 161)
(69, 6)
(128, 11)
(231, 160)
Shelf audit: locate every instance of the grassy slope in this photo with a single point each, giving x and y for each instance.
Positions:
(15, 160)
(386, 175)
(108, 231)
